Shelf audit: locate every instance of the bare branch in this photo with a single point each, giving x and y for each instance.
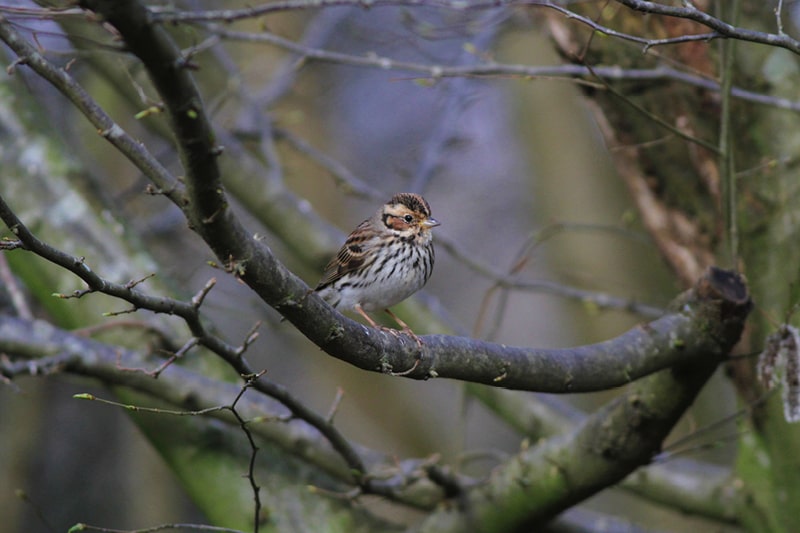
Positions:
(231, 15)
(155, 529)
(566, 469)
(690, 12)
(489, 69)
(251, 475)
(345, 180)
(695, 487)
(15, 292)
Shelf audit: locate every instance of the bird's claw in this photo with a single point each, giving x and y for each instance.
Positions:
(405, 331)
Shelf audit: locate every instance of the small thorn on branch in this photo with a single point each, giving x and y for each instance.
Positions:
(133, 283)
(152, 190)
(187, 63)
(11, 69)
(75, 294)
(251, 337)
(212, 217)
(237, 268)
(6, 244)
(183, 350)
(197, 299)
(335, 405)
(130, 310)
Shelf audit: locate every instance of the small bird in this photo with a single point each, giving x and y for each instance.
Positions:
(386, 259)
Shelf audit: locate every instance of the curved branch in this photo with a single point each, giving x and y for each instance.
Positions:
(695, 487)
(696, 331)
(545, 480)
(492, 68)
(205, 204)
(692, 332)
(641, 351)
(592, 457)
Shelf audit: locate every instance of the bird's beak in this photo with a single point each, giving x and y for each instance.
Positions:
(430, 223)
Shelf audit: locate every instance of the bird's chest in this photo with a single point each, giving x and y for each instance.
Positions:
(382, 296)
(396, 277)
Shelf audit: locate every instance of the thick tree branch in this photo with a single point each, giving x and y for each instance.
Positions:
(549, 478)
(695, 331)
(694, 487)
(206, 206)
(594, 456)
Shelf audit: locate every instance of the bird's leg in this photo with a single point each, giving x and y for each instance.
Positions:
(394, 332)
(363, 313)
(406, 329)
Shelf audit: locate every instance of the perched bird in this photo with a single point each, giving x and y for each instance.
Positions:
(386, 259)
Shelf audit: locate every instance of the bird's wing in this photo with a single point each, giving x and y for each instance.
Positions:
(351, 256)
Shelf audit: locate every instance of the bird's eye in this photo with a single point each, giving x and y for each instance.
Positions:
(409, 219)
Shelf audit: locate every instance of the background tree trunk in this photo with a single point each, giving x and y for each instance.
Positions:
(685, 184)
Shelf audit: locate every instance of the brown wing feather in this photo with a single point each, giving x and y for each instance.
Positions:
(350, 257)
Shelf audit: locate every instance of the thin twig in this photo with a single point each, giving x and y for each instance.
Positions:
(503, 280)
(720, 422)
(726, 148)
(9, 281)
(779, 17)
(337, 400)
(348, 182)
(162, 527)
(251, 476)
